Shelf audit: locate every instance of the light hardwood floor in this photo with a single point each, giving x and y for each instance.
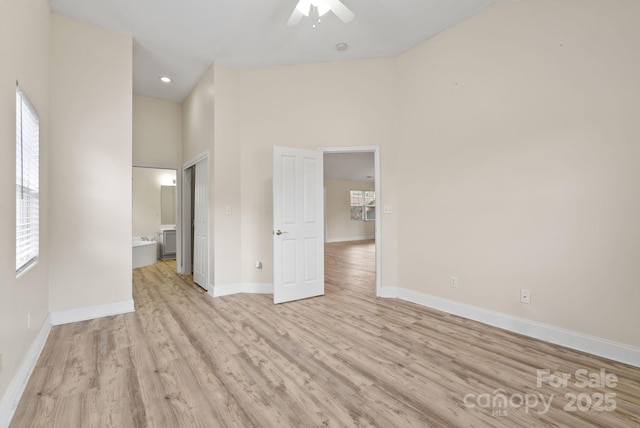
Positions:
(184, 359)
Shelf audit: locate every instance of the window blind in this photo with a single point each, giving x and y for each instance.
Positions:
(27, 183)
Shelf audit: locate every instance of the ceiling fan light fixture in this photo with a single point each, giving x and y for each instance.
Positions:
(304, 6)
(316, 9)
(322, 6)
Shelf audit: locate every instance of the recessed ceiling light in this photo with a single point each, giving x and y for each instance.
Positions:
(165, 79)
(342, 46)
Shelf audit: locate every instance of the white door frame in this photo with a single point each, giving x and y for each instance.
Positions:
(376, 162)
(185, 219)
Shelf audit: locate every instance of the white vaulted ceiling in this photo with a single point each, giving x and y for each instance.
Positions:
(183, 38)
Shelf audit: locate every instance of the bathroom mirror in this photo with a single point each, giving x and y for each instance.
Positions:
(168, 204)
(152, 205)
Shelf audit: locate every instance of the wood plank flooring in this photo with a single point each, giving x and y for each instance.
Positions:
(347, 359)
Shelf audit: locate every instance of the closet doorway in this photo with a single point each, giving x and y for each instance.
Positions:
(195, 221)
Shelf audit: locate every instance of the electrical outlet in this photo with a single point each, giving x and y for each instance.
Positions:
(259, 265)
(454, 282)
(525, 296)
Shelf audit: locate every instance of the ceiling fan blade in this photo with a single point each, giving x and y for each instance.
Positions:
(295, 18)
(340, 10)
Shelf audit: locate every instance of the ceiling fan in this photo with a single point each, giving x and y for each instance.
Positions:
(317, 8)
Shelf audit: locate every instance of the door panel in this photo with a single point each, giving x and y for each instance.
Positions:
(201, 224)
(310, 257)
(186, 253)
(298, 224)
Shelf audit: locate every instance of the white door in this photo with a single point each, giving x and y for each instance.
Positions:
(298, 224)
(201, 224)
(185, 256)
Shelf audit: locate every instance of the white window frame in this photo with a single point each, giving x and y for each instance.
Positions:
(363, 216)
(27, 183)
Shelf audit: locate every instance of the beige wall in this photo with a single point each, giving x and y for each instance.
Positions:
(197, 119)
(28, 23)
(338, 223)
(85, 166)
(518, 137)
(157, 132)
(350, 104)
(147, 202)
(520, 130)
(197, 140)
(225, 173)
(201, 110)
(91, 145)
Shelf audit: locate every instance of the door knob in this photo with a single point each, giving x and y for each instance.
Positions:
(279, 232)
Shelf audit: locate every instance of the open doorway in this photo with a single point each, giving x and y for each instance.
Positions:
(154, 214)
(352, 223)
(298, 223)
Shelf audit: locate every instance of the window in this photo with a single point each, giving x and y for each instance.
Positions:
(27, 183)
(363, 205)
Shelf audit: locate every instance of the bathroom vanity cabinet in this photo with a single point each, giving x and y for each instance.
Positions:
(168, 243)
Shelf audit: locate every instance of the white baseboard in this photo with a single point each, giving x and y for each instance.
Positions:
(571, 339)
(12, 396)
(351, 238)
(388, 292)
(92, 312)
(244, 287)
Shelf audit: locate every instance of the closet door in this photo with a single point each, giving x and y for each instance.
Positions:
(201, 225)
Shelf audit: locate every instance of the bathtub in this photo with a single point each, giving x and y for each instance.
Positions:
(145, 251)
